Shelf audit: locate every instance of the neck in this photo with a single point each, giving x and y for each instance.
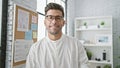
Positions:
(55, 37)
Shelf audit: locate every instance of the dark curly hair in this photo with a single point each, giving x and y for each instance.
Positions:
(54, 6)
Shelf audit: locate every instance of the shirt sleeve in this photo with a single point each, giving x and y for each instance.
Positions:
(83, 60)
(30, 58)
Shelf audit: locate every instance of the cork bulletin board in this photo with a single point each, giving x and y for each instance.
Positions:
(24, 34)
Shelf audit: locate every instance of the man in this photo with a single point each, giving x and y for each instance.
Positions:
(56, 50)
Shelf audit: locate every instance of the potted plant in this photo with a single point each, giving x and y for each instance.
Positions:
(89, 54)
(102, 24)
(107, 66)
(85, 24)
(118, 66)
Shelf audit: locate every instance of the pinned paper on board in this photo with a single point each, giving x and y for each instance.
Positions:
(28, 35)
(34, 26)
(23, 20)
(34, 19)
(34, 34)
(21, 50)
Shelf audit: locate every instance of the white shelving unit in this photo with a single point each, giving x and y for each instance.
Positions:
(96, 38)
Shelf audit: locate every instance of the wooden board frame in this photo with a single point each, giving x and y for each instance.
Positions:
(21, 34)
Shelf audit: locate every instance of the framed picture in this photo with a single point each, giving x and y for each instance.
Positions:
(104, 39)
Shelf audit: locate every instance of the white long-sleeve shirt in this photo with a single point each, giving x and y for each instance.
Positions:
(67, 52)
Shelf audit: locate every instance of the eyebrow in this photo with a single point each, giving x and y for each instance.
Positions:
(54, 15)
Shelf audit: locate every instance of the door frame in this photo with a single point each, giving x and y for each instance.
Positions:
(4, 32)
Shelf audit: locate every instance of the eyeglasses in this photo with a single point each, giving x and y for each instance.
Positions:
(51, 18)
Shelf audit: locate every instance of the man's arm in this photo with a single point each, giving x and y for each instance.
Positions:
(83, 59)
(30, 58)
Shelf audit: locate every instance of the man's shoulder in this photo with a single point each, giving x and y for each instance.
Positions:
(36, 44)
(71, 38)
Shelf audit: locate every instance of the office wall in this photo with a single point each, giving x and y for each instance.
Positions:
(83, 8)
(32, 4)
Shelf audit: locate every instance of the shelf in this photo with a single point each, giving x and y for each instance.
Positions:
(89, 18)
(99, 62)
(96, 45)
(100, 29)
(93, 35)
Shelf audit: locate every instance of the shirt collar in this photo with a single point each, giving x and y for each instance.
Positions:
(61, 38)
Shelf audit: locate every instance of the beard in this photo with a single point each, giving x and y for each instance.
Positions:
(55, 31)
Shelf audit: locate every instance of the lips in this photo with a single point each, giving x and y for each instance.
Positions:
(54, 26)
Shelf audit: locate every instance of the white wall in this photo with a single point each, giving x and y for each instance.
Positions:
(41, 28)
(70, 17)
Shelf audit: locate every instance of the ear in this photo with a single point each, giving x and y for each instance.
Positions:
(64, 22)
(44, 22)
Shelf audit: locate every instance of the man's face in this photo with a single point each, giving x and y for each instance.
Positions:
(54, 21)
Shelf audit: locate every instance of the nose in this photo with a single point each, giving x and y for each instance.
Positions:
(54, 21)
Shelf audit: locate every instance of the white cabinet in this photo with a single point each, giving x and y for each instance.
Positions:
(95, 33)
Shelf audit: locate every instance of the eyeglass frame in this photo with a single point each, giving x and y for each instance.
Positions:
(51, 18)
